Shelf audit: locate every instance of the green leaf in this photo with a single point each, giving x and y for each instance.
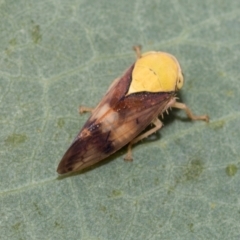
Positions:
(184, 180)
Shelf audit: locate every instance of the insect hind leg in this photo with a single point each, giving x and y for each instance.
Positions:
(158, 124)
(83, 109)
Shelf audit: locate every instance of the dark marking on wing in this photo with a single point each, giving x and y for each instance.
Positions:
(108, 135)
(140, 101)
(121, 87)
(97, 142)
(108, 147)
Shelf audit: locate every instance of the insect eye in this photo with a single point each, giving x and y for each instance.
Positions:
(180, 82)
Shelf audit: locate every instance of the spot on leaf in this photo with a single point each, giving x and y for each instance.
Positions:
(231, 170)
(15, 139)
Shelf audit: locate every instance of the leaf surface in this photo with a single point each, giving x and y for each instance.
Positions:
(184, 180)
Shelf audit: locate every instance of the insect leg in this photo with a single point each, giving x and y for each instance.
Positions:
(189, 112)
(137, 50)
(83, 109)
(158, 124)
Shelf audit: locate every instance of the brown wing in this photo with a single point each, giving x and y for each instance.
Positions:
(115, 122)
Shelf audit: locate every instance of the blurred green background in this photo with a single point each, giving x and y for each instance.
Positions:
(184, 180)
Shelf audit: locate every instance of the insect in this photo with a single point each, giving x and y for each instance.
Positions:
(134, 101)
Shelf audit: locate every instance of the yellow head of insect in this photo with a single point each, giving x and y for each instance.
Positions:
(156, 72)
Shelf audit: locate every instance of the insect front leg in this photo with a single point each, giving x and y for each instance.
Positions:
(137, 50)
(189, 112)
(158, 124)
